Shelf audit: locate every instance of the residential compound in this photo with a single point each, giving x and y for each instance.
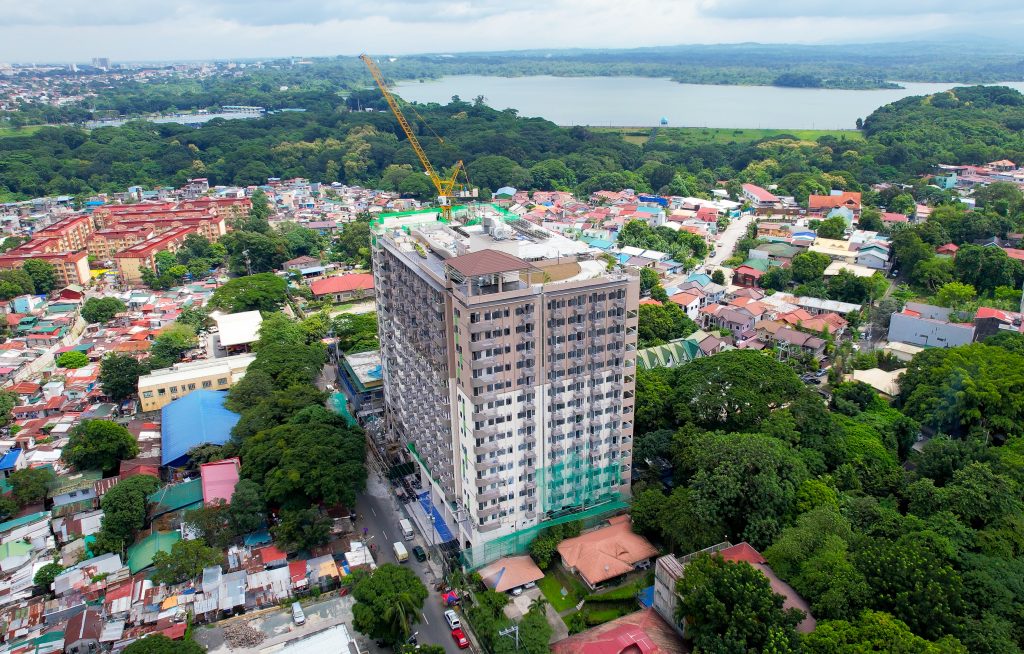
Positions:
(130, 234)
(508, 358)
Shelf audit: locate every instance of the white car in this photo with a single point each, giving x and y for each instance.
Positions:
(452, 618)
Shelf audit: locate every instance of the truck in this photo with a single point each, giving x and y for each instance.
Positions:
(401, 554)
(406, 526)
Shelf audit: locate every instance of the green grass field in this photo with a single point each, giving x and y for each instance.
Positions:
(553, 583)
(23, 131)
(701, 135)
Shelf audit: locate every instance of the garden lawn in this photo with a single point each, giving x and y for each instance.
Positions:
(553, 582)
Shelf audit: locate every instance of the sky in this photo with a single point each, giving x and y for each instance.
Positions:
(143, 30)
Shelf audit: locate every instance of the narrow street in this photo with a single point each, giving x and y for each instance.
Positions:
(379, 514)
(726, 244)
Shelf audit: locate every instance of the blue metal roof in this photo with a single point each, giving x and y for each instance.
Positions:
(10, 458)
(198, 418)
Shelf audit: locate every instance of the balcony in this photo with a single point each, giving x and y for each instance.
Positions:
(488, 496)
(487, 481)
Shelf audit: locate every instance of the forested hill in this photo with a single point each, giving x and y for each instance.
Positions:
(332, 141)
(963, 125)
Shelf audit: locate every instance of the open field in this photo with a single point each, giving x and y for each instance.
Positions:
(699, 135)
(19, 131)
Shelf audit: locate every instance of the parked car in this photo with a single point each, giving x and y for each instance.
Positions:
(452, 618)
(418, 552)
(460, 638)
(298, 616)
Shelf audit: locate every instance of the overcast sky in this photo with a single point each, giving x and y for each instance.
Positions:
(77, 30)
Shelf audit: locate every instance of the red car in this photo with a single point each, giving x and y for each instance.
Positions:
(460, 638)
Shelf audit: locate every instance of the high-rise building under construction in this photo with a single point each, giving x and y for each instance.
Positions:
(509, 365)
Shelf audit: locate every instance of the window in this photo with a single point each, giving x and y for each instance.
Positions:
(223, 381)
(191, 387)
(174, 389)
(207, 384)
(161, 391)
(148, 394)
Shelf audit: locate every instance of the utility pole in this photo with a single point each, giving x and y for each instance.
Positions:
(508, 631)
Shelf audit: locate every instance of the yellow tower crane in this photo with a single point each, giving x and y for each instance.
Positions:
(445, 185)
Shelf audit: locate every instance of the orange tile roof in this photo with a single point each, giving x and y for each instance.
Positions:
(606, 552)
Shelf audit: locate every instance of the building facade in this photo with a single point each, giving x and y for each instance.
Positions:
(509, 372)
(161, 387)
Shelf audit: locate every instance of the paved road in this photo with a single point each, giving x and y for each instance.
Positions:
(734, 231)
(379, 515)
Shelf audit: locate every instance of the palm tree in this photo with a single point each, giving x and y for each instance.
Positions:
(400, 616)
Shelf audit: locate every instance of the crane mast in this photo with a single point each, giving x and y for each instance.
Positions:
(444, 185)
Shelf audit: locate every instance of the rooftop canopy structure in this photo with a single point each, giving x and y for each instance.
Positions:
(199, 418)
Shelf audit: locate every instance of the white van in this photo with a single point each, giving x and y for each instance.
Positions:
(401, 554)
(406, 526)
(452, 618)
(298, 616)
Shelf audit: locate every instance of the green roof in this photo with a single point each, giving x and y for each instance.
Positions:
(140, 555)
(14, 548)
(24, 520)
(67, 483)
(177, 496)
(668, 355)
(758, 264)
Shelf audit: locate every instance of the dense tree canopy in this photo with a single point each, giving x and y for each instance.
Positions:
(389, 601)
(262, 292)
(99, 445)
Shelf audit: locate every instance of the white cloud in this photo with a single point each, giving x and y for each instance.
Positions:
(203, 29)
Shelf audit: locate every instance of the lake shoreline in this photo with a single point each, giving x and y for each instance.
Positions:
(641, 102)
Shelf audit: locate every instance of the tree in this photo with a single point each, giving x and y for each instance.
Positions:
(102, 309)
(913, 579)
(809, 266)
(45, 575)
(124, 513)
(260, 209)
(966, 389)
(873, 631)
(658, 324)
(171, 344)
(29, 485)
(8, 401)
(302, 529)
(495, 171)
(834, 227)
(649, 278)
(776, 278)
(389, 600)
(72, 359)
(194, 317)
(184, 562)
(161, 644)
(733, 390)
(987, 268)
(99, 445)
(742, 485)
(14, 283)
(210, 523)
(730, 607)
(534, 634)
(870, 219)
(43, 274)
(119, 376)
(955, 295)
(909, 250)
(314, 457)
(932, 273)
(903, 203)
(263, 292)
(247, 511)
(718, 276)
(356, 332)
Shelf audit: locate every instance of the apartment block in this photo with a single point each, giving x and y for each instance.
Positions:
(71, 267)
(141, 256)
(508, 355)
(105, 243)
(161, 387)
(71, 233)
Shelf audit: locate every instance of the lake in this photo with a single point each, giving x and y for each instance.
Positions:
(643, 101)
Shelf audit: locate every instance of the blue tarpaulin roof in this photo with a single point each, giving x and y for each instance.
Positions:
(10, 459)
(198, 418)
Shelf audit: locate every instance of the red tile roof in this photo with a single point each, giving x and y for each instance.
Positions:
(849, 199)
(486, 262)
(342, 284)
